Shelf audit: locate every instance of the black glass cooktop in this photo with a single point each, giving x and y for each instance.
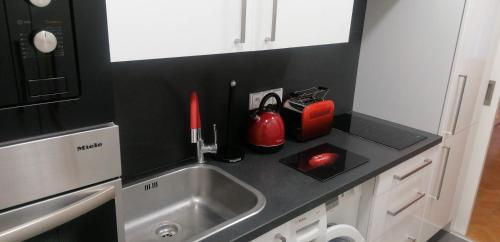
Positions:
(324, 161)
(376, 130)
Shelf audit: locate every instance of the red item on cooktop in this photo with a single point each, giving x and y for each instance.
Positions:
(324, 161)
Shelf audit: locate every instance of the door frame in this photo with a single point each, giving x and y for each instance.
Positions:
(478, 143)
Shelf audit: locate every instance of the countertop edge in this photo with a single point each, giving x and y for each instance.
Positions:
(253, 234)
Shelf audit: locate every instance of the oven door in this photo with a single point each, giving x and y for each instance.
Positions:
(89, 214)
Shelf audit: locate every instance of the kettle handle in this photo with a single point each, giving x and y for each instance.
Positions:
(266, 98)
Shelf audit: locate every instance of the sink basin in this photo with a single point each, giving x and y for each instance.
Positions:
(187, 204)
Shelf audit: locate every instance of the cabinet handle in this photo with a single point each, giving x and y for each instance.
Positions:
(273, 25)
(279, 237)
(459, 103)
(411, 238)
(443, 172)
(243, 27)
(395, 212)
(489, 93)
(427, 162)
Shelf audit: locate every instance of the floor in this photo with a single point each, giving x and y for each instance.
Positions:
(444, 236)
(485, 221)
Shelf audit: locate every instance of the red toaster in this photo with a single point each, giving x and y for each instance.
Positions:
(307, 114)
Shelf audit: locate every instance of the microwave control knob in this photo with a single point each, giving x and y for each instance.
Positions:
(40, 3)
(45, 41)
(279, 238)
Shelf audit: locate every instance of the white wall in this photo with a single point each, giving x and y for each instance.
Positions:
(406, 59)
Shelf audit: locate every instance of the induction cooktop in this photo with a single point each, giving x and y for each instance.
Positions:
(324, 161)
(376, 130)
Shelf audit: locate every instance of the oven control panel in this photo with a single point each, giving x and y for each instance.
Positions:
(38, 61)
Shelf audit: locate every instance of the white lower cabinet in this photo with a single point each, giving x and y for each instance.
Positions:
(415, 199)
(405, 231)
(399, 200)
(439, 206)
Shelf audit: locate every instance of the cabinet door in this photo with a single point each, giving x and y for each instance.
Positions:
(295, 23)
(152, 29)
(448, 161)
(406, 231)
(475, 44)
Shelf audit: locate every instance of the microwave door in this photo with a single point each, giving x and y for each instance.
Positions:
(52, 215)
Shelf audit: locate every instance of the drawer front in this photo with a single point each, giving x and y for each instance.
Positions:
(395, 206)
(399, 174)
(406, 231)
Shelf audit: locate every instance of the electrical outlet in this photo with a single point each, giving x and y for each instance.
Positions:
(255, 98)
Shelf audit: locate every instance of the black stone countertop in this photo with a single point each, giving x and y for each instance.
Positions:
(290, 193)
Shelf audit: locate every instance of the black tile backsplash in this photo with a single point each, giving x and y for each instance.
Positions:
(152, 96)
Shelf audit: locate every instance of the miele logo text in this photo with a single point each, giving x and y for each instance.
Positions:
(88, 147)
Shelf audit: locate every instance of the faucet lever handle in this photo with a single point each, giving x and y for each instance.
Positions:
(215, 133)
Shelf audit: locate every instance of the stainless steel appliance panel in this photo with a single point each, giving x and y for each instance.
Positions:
(41, 168)
(28, 221)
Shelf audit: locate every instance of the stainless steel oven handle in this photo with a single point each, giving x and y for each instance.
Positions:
(63, 215)
(273, 24)
(395, 212)
(427, 162)
(243, 23)
(459, 104)
(443, 172)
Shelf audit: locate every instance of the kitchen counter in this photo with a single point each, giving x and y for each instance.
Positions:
(290, 193)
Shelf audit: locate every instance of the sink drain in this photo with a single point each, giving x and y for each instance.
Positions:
(166, 230)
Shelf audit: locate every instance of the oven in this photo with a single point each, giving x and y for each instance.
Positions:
(54, 66)
(62, 188)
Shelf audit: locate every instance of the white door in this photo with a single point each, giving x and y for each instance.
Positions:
(477, 41)
(295, 23)
(480, 141)
(153, 29)
(448, 161)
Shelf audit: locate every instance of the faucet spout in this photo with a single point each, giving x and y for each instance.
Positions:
(195, 119)
(196, 137)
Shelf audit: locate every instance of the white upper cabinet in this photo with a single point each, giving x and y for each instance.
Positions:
(152, 29)
(294, 23)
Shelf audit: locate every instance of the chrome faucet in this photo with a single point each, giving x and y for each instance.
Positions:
(196, 137)
(201, 147)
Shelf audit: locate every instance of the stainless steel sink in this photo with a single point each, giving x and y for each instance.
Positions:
(187, 204)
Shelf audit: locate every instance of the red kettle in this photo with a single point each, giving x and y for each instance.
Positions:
(266, 132)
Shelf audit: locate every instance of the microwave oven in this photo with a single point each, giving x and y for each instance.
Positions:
(54, 59)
